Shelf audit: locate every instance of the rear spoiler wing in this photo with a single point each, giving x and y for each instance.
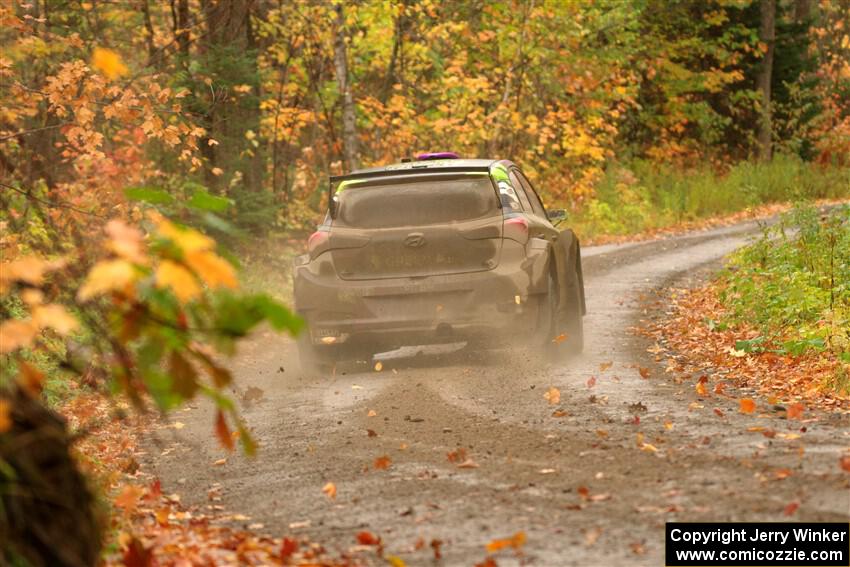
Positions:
(416, 169)
(413, 169)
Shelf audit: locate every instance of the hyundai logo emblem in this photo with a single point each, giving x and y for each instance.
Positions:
(414, 240)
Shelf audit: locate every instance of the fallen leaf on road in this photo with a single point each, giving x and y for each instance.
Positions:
(383, 463)
(178, 425)
(644, 372)
(435, 545)
(129, 498)
(456, 456)
(516, 541)
(395, 561)
(553, 394)
(371, 433)
(791, 508)
(668, 425)
(330, 490)
(560, 338)
(379, 366)
(287, 548)
(720, 388)
(468, 464)
(591, 535)
(583, 492)
(795, 411)
(559, 413)
(372, 413)
(368, 538)
(747, 405)
(649, 447)
(547, 471)
(605, 366)
(220, 462)
(591, 382)
(844, 463)
(637, 548)
(719, 412)
(780, 474)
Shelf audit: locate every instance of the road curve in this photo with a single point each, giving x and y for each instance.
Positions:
(531, 464)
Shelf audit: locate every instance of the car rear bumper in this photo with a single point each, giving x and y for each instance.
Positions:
(393, 312)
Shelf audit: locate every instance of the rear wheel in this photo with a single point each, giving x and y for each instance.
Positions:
(573, 324)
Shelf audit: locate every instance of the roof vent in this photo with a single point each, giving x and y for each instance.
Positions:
(437, 155)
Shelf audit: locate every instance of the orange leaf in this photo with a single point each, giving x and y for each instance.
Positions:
(844, 462)
(605, 366)
(5, 415)
(791, 508)
(591, 382)
(213, 270)
(129, 498)
(553, 394)
(383, 463)
(31, 379)
(287, 548)
(223, 432)
(330, 490)
(516, 541)
(644, 372)
(560, 338)
(747, 405)
(16, 333)
(108, 62)
(795, 411)
(368, 538)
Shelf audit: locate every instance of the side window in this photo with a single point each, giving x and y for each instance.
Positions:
(519, 189)
(508, 196)
(536, 203)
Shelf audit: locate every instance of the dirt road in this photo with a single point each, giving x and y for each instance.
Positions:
(533, 467)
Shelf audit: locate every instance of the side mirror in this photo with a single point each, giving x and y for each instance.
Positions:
(557, 215)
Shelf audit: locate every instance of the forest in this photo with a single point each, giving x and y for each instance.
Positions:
(150, 149)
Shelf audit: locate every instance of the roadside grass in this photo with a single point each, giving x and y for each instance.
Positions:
(643, 197)
(777, 317)
(793, 284)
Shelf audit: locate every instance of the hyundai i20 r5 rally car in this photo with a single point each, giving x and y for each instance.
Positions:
(437, 251)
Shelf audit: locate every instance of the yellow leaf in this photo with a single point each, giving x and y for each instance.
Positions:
(553, 394)
(186, 239)
(213, 270)
(108, 62)
(107, 275)
(395, 561)
(330, 490)
(16, 333)
(181, 281)
(54, 316)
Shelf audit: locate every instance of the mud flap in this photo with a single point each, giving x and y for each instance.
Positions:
(564, 261)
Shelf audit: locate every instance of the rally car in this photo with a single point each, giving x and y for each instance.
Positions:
(437, 250)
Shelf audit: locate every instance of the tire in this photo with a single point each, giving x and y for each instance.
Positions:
(574, 323)
(547, 328)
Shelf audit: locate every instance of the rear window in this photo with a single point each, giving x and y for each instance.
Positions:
(395, 203)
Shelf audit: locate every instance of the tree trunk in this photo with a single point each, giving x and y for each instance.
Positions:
(767, 35)
(349, 124)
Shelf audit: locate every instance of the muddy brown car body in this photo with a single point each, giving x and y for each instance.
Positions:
(437, 251)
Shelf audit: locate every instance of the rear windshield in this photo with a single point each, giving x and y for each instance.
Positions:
(394, 203)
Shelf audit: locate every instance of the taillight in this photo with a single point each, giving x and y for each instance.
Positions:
(516, 228)
(317, 243)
